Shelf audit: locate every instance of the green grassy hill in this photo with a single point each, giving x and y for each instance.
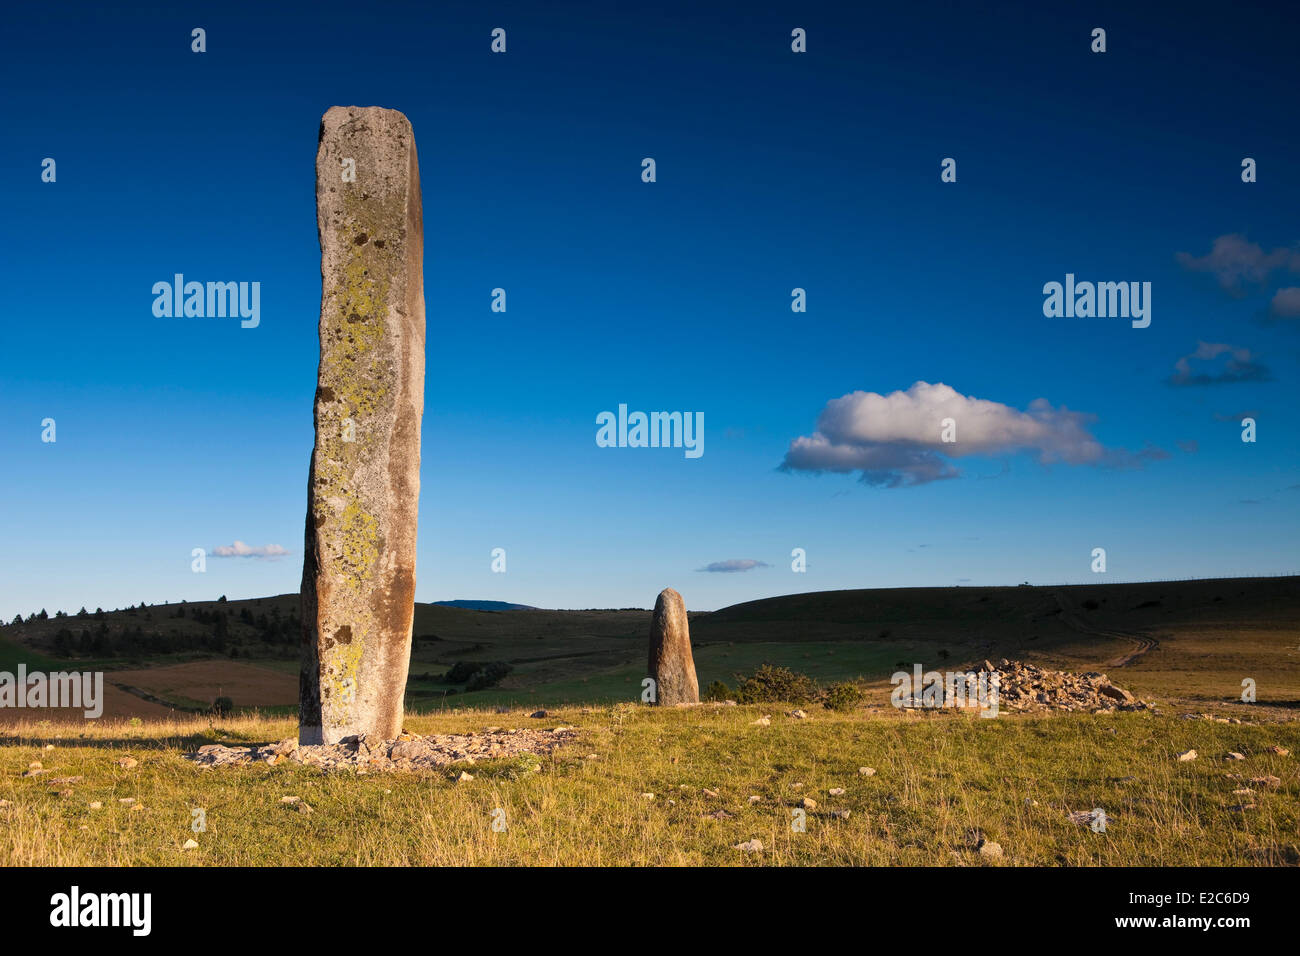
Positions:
(1192, 639)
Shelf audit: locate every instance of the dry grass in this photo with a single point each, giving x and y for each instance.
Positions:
(939, 777)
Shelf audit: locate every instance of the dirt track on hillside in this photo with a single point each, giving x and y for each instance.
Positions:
(1074, 622)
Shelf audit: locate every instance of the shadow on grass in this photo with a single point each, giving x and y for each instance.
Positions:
(190, 742)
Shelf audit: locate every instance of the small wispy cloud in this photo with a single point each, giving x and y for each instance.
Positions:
(1240, 365)
(1236, 262)
(241, 550)
(733, 565)
(1286, 303)
(1248, 413)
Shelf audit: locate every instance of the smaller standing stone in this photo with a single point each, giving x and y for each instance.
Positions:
(671, 665)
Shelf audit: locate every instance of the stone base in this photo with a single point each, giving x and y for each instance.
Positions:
(363, 753)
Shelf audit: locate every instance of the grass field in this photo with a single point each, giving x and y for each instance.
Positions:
(940, 777)
(943, 779)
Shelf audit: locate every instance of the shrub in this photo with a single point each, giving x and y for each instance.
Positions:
(477, 675)
(63, 643)
(489, 676)
(771, 684)
(717, 691)
(222, 706)
(462, 671)
(1091, 605)
(843, 697)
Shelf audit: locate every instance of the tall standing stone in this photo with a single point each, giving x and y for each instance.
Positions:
(671, 663)
(358, 576)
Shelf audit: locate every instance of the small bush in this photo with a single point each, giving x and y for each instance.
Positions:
(462, 671)
(717, 691)
(489, 676)
(771, 684)
(1091, 605)
(843, 697)
(222, 706)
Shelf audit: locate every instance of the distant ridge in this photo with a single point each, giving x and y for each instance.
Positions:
(486, 605)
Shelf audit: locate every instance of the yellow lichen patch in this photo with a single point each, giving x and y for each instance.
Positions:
(336, 461)
(342, 667)
(358, 327)
(360, 306)
(331, 477)
(358, 543)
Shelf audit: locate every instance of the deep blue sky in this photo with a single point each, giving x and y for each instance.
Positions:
(775, 170)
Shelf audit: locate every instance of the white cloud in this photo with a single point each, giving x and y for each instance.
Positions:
(241, 550)
(896, 439)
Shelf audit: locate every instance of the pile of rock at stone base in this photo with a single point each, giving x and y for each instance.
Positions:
(1030, 688)
(365, 753)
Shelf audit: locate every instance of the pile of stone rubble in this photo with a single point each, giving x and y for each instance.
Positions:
(1028, 687)
(366, 753)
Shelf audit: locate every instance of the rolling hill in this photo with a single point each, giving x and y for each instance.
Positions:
(1192, 640)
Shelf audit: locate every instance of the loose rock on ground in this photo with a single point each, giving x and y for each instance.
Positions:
(1028, 687)
(407, 752)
